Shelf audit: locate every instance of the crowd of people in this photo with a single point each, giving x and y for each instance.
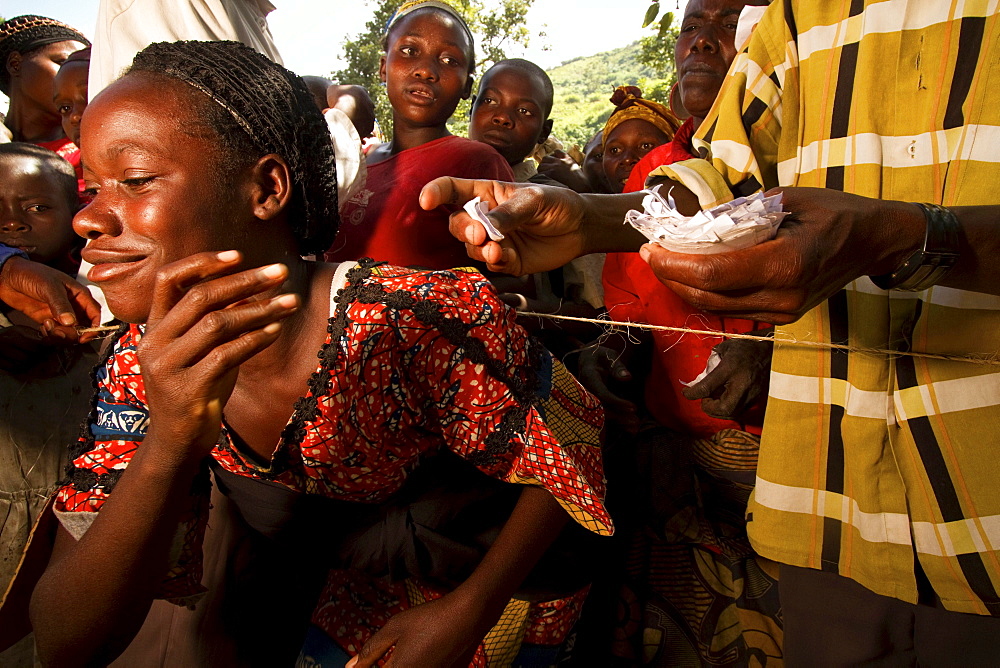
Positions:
(325, 423)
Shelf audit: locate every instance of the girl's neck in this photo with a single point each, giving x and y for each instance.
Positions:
(404, 137)
(310, 281)
(31, 124)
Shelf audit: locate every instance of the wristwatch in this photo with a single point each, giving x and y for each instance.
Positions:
(6, 252)
(928, 265)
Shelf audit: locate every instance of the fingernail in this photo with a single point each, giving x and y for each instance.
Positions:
(288, 301)
(644, 252)
(351, 663)
(272, 271)
(228, 256)
(272, 328)
(67, 319)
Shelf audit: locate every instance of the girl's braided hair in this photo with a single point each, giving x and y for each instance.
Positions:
(270, 110)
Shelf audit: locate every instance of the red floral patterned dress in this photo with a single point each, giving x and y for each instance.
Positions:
(415, 362)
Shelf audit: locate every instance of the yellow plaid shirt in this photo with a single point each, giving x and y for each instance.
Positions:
(867, 459)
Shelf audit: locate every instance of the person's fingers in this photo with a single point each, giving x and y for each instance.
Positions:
(736, 270)
(375, 648)
(217, 329)
(775, 306)
(54, 294)
(708, 385)
(183, 287)
(454, 191)
(84, 304)
(620, 372)
(520, 208)
(230, 355)
(174, 279)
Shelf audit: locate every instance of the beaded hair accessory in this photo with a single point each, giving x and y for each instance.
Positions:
(275, 109)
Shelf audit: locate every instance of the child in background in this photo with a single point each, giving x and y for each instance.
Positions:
(511, 114)
(583, 177)
(70, 98)
(31, 50)
(427, 69)
(44, 386)
(635, 128)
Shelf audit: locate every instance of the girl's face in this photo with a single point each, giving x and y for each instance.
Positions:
(149, 164)
(625, 146)
(35, 209)
(71, 96)
(426, 68)
(36, 71)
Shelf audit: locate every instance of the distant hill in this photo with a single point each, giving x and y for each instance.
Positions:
(584, 85)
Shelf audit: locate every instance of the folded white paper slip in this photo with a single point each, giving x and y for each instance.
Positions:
(477, 208)
(735, 225)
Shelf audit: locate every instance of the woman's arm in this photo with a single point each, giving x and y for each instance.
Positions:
(95, 593)
(446, 631)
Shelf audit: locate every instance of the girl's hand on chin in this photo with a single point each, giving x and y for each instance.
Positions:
(204, 322)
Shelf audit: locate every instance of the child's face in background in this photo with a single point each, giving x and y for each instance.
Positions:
(35, 210)
(71, 96)
(625, 146)
(593, 164)
(426, 69)
(509, 113)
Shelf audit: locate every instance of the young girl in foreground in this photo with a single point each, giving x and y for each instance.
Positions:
(427, 69)
(205, 198)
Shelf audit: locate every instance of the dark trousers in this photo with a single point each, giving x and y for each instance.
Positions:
(830, 620)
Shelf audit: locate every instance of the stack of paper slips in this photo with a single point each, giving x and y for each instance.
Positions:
(735, 225)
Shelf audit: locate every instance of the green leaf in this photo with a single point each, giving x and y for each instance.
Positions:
(651, 13)
(665, 24)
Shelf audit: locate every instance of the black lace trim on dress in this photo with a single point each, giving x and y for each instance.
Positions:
(360, 290)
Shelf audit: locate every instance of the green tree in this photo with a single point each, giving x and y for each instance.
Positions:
(496, 24)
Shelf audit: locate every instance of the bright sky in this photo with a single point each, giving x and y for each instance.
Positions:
(309, 33)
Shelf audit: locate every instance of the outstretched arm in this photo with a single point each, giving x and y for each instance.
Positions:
(545, 226)
(833, 239)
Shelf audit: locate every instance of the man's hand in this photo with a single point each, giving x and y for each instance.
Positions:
(830, 239)
(604, 373)
(541, 224)
(47, 296)
(558, 166)
(740, 378)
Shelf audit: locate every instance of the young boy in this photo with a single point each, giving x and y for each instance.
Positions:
(511, 113)
(70, 95)
(44, 388)
(37, 202)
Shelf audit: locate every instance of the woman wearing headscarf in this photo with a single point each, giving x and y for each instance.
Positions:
(635, 128)
(31, 50)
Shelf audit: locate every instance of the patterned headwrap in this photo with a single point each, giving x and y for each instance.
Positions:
(629, 105)
(413, 5)
(274, 107)
(28, 32)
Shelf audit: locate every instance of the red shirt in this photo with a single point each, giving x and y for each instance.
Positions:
(68, 150)
(384, 220)
(633, 293)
